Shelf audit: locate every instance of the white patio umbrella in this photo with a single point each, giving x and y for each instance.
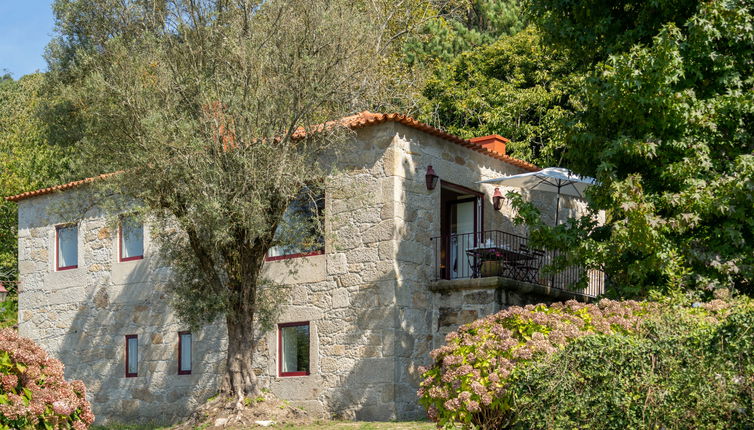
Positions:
(552, 179)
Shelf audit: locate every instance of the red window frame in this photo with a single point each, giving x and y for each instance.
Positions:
(128, 374)
(299, 255)
(180, 349)
(120, 245)
(57, 248)
(280, 348)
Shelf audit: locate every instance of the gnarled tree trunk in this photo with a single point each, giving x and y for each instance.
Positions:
(239, 380)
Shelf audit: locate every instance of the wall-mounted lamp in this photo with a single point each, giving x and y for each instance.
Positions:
(431, 178)
(497, 199)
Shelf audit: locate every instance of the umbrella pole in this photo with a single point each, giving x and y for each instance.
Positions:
(557, 219)
(557, 208)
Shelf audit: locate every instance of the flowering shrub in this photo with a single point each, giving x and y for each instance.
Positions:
(687, 368)
(473, 378)
(467, 382)
(33, 393)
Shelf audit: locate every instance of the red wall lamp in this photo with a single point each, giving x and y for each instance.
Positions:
(431, 178)
(497, 199)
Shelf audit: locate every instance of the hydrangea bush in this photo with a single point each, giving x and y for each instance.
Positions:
(467, 382)
(33, 392)
(687, 368)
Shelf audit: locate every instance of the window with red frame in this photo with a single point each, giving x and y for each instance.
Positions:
(67, 247)
(293, 349)
(132, 356)
(184, 353)
(300, 231)
(131, 237)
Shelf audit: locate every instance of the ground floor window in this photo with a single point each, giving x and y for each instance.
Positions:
(132, 355)
(184, 353)
(293, 349)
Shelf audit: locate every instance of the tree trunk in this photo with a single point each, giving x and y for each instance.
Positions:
(240, 381)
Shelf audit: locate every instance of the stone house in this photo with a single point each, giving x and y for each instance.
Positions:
(393, 277)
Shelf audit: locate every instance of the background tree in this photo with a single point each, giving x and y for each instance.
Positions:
(515, 87)
(460, 26)
(38, 130)
(667, 128)
(201, 105)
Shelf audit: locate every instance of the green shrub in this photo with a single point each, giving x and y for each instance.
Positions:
(468, 380)
(614, 365)
(33, 392)
(681, 373)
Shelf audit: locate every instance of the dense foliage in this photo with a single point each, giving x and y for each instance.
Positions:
(666, 127)
(611, 365)
(684, 372)
(33, 393)
(515, 87)
(462, 25)
(37, 130)
(468, 381)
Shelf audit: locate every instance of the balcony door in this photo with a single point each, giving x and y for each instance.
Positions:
(461, 225)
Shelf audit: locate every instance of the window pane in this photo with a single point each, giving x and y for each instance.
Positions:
(295, 348)
(300, 231)
(132, 238)
(133, 355)
(68, 248)
(185, 352)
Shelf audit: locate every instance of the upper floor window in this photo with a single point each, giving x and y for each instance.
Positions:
(293, 349)
(131, 239)
(300, 231)
(184, 353)
(67, 244)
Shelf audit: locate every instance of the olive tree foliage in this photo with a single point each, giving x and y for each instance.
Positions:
(666, 127)
(217, 113)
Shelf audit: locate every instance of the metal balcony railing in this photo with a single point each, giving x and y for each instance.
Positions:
(499, 253)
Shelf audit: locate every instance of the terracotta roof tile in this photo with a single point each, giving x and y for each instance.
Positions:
(56, 188)
(354, 122)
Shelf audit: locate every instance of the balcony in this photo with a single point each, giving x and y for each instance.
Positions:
(508, 256)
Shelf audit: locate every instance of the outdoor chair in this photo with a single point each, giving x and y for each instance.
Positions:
(527, 268)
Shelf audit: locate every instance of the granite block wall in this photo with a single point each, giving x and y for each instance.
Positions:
(373, 317)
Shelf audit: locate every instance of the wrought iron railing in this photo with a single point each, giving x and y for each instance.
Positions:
(499, 253)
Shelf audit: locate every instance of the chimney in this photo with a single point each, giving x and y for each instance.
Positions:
(493, 142)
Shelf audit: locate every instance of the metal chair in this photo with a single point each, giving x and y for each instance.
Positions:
(527, 268)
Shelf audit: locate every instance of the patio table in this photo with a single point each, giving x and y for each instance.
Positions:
(478, 255)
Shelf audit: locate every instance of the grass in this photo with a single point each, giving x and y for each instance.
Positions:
(318, 425)
(360, 425)
(129, 427)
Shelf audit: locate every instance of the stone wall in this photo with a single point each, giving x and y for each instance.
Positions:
(373, 316)
(82, 316)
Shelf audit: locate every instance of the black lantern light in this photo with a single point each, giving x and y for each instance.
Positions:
(497, 199)
(431, 178)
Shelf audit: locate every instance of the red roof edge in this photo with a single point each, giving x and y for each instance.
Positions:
(354, 122)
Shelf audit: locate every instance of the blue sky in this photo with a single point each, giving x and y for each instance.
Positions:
(25, 29)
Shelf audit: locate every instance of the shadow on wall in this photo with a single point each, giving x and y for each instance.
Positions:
(129, 298)
(392, 314)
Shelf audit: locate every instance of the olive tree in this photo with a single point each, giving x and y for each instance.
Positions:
(216, 113)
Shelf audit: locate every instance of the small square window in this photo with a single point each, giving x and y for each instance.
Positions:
(293, 349)
(184, 353)
(132, 356)
(131, 239)
(67, 244)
